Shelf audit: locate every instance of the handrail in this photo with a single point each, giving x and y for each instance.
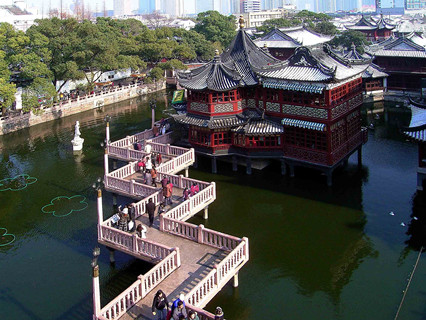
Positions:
(133, 244)
(219, 276)
(141, 287)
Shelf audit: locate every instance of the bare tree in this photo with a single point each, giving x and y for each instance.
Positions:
(157, 20)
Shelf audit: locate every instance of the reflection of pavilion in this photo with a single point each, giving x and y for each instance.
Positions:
(332, 267)
(417, 226)
(417, 131)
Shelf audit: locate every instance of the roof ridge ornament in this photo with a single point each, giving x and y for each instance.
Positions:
(241, 21)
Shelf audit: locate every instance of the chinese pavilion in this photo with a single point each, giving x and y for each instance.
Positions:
(417, 132)
(374, 79)
(282, 43)
(373, 30)
(304, 111)
(404, 60)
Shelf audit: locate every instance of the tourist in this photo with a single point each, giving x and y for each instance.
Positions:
(159, 158)
(179, 311)
(150, 209)
(154, 176)
(160, 305)
(148, 177)
(185, 195)
(164, 185)
(155, 131)
(141, 165)
(147, 148)
(141, 231)
(148, 164)
(192, 315)
(162, 208)
(132, 211)
(218, 315)
(153, 159)
(124, 219)
(194, 189)
(169, 193)
(163, 130)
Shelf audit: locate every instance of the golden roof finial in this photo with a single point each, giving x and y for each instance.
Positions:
(241, 21)
(216, 52)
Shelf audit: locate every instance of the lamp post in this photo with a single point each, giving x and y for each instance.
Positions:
(95, 284)
(153, 105)
(104, 145)
(107, 119)
(98, 185)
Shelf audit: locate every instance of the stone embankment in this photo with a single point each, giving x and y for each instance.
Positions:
(77, 105)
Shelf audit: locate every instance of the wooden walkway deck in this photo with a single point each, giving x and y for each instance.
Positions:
(188, 259)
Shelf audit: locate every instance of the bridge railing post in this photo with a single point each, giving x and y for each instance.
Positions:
(161, 222)
(177, 261)
(180, 181)
(142, 285)
(200, 234)
(132, 187)
(217, 275)
(135, 243)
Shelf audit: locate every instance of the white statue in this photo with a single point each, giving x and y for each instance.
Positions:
(77, 142)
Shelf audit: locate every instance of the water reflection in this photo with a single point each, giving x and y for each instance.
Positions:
(417, 226)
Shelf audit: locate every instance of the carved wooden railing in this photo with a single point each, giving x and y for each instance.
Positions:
(140, 288)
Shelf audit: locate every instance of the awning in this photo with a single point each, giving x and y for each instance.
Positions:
(275, 84)
(417, 135)
(303, 124)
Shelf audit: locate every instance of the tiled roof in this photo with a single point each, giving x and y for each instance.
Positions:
(374, 71)
(234, 68)
(260, 127)
(364, 24)
(398, 53)
(417, 128)
(303, 124)
(291, 38)
(398, 47)
(214, 75)
(316, 65)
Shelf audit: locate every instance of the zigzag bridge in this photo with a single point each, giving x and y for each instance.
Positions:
(187, 258)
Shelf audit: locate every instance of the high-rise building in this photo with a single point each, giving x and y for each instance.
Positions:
(122, 7)
(272, 4)
(415, 4)
(206, 5)
(175, 8)
(251, 5)
(146, 6)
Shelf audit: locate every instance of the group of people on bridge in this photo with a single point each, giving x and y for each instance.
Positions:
(177, 311)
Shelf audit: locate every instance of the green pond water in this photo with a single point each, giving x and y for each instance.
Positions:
(315, 252)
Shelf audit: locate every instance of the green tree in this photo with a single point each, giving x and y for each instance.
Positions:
(216, 27)
(7, 94)
(172, 64)
(156, 74)
(56, 41)
(306, 15)
(325, 27)
(40, 89)
(349, 37)
(271, 24)
(21, 59)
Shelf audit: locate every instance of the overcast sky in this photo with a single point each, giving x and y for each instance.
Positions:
(66, 4)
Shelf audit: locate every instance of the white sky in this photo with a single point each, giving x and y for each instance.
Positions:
(66, 4)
